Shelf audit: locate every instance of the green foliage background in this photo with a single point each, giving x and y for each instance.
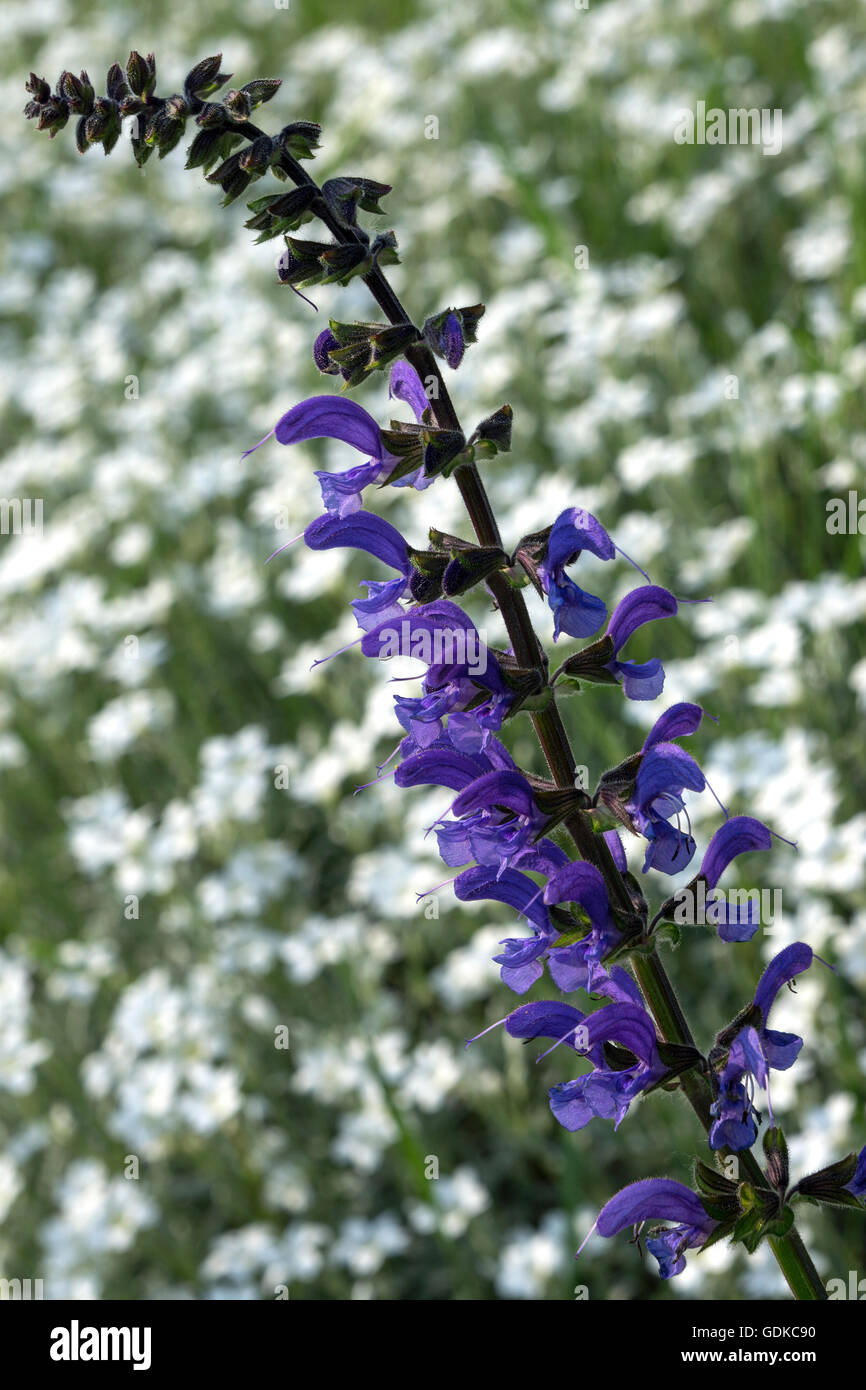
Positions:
(698, 384)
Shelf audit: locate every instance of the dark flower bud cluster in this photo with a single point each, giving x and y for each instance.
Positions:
(317, 263)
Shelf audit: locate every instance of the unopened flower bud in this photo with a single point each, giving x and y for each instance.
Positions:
(448, 333)
(321, 347)
(141, 74)
(238, 104)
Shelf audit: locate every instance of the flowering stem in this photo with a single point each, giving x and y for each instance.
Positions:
(655, 985)
(791, 1254)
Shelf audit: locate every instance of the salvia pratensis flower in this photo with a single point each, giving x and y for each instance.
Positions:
(659, 1199)
(338, 417)
(522, 959)
(738, 835)
(744, 1060)
(576, 966)
(640, 680)
(462, 673)
(617, 1077)
(666, 770)
(496, 819)
(575, 612)
(364, 531)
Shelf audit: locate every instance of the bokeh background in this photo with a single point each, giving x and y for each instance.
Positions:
(183, 866)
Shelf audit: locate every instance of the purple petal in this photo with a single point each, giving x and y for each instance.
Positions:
(454, 847)
(521, 978)
(781, 1049)
(732, 925)
(669, 850)
(642, 605)
(341, 492)
(438, 767)
(628, 1024)
(674, 723)
(405, 384)
(666, 769)
(782, 968)
(640, 680)
(545, 1019)
(574, 530)
(543, 857)
(359, 531)
(569, 1106)
(511, 887)
(746, 1056)
(569, 968)
(332, 417)
(736, 836)
(617, 986)
(498, 788)
(581, 883)
(575, 612)
(381, 602)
